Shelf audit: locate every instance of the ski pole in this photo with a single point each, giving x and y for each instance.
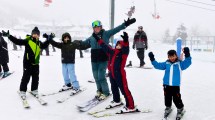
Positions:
(11, 52)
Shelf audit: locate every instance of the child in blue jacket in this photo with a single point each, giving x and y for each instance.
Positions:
(172, 78)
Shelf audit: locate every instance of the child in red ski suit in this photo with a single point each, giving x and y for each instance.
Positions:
(116, 63)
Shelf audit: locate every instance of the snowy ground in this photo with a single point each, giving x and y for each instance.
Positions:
(197, 88)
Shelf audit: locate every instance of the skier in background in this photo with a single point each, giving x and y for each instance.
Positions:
(172, 78)
(141, 44)
(4, 58)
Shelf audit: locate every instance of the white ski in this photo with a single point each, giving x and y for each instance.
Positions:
(70, 96)
(122, 113)
(40, 100)
(24, 101)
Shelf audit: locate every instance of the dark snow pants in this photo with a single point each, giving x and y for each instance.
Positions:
(30, 71)
(99, 70)
(172, 93)
(120, 82)
(141, 55)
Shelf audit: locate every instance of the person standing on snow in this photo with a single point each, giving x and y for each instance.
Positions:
(68, 60)
(30, 61)
(172, 78)
(117, 74)
(4, 58)
(141, 44)
(99, 58)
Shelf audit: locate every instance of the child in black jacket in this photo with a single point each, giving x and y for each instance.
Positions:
(31, 59)
(68, 60)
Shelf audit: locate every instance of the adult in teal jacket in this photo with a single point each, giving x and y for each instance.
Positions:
(99, 58)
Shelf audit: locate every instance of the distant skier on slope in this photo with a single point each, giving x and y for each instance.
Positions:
(4, 58)
(172, 79)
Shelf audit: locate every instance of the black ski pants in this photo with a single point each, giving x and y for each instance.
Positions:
(120, 83)
(141, 55)
(30, 71)
(172, 93)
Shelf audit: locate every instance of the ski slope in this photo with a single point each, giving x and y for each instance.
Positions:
(197, 88)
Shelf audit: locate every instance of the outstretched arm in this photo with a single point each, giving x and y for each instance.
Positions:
(187, 62)
(44, 45)
(80, 46)
(56, 44)
(126, 23)
(160, 66)
(106, 48)
(13, 39)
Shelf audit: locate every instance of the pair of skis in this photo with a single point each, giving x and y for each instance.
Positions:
(26, 104)
(100, 113)
(91, 103)
(54, 93)
(70, 96)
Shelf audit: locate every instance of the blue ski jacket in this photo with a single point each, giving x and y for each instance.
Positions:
(172, 76)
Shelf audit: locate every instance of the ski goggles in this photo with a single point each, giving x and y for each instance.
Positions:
(96, 24)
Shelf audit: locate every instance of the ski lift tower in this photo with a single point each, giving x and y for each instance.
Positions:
(112, 10)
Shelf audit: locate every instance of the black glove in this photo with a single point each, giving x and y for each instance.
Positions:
(97, 37)
(77, 42)
(186, 52)
(129, 21)
(133, 46)
(151, 56)
(146, 47)
(45, 36)
(51, 36)
(125, 37)
(5, 34)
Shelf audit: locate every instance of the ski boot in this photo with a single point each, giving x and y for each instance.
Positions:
(129, 65)
(102, 97)
(35, 93)
(98, 94)
(75, 91)
(114, 104)
(6, 74)
(22, 94)
(127, 110)
(168, 110)
(66, 87)
(180, 113)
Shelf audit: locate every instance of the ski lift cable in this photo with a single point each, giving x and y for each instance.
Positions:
(191, 5)
(201, 2)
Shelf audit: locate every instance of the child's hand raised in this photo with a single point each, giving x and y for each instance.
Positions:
(125, 37)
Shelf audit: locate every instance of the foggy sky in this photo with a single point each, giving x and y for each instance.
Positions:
(85, 11)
